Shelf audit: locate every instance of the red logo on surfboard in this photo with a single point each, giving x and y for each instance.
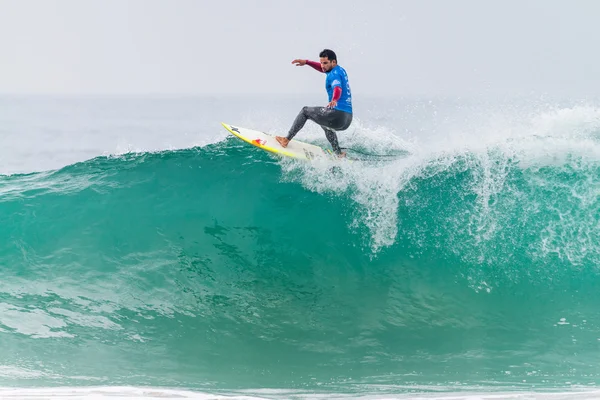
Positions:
(260, 142)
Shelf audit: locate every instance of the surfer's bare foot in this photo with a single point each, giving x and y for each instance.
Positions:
(282, 141)
(342, 154)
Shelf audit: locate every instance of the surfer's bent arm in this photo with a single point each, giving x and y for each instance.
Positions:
(315, 65)
(337, 93)
(337, 88)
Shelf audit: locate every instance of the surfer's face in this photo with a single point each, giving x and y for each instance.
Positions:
(327, 65)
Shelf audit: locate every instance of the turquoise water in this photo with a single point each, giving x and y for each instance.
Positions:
(468, 259)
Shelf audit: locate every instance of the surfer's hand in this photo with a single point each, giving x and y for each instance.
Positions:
(332, 104)
(299, 62)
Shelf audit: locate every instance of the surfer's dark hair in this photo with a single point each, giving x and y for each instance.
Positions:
(329, 54)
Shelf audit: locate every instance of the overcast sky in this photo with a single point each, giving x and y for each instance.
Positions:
(246, 46)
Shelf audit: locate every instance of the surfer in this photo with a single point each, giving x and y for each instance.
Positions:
(337, 115)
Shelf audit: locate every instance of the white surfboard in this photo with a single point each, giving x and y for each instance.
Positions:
(295, 149)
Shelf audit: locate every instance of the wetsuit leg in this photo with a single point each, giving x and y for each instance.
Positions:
(328, 118)
(333, 140)
(316, 114)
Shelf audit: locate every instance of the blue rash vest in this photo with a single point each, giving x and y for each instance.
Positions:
(338, 77)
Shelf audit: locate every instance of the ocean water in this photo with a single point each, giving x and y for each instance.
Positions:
(146, 252)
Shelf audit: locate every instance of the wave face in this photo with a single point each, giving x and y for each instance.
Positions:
(466, 263)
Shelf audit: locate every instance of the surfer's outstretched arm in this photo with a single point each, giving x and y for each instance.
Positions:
(316, 65)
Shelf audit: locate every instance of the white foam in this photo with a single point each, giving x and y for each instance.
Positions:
(488, 143)
(431, 393)
(114, 393)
